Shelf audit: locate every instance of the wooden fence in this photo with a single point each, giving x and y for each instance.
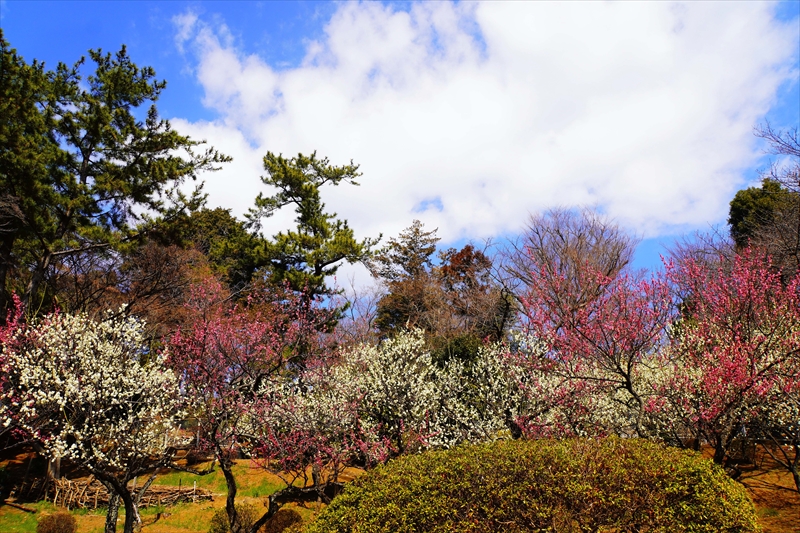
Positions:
(91, 494)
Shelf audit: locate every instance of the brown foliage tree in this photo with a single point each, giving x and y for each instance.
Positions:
(457, 303)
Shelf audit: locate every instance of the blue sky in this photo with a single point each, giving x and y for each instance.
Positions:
(467, 116)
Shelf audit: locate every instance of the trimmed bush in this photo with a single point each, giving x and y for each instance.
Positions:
(619, 485)
(247, 514)
(283, 520)
(57, 523)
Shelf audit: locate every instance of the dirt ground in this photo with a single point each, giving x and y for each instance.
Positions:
(771, 488)
(774, 494)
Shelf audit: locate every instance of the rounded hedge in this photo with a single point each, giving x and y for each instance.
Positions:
(619, 485)
(247, 516)
(61, 522)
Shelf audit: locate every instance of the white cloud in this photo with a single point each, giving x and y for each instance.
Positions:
(486, 112)
(184, 27)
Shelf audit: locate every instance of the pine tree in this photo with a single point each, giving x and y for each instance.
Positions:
(304, 257)
(84, 169)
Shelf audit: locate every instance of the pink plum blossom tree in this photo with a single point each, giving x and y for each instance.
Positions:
(239, 364)
(603, 333)
(735, 353)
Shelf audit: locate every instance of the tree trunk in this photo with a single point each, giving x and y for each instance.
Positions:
(794, 464)
(36, 280)
(54, 468)
(53, 463)
(113, 510)
(719, 452)
(118, 490)
(10, 217)
(272, 508)
(132, 519)
(230, 503)
(144, 488)
(5, 265)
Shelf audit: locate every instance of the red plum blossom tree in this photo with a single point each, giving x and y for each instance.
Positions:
(238, 364)
(735, 350)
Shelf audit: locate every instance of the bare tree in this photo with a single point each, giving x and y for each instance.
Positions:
(360, 310)
(768, 217)
(567, 243)
(151, 282)
(780, 238)
(703, 247)
(786, 143)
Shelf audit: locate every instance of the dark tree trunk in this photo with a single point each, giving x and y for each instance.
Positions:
(719, 452)
(5, 296)
(37, 277)
(131, 513)
(118, 490)
(10, 216)
(272, 508)
(230, 503)
(141, 491)
(112, 515)
(53, 463)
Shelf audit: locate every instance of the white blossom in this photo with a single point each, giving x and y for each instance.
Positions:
(89, 391)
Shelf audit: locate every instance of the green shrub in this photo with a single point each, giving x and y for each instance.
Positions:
(57, 523)
(608, 485)
(247, 514)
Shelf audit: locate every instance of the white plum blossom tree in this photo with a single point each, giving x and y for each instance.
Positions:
(402, 399)
(394, 387)
(482, 399)
(89, 392)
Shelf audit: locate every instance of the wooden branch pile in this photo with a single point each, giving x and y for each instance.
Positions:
(91, 494)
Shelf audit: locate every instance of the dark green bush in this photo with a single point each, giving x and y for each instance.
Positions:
(247, 514)
(611, 485)
(57, 523)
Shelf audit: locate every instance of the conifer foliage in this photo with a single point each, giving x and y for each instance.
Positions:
(84, 165)
(304, 257)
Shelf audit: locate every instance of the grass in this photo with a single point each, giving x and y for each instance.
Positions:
(253, 484)
(768, 512)
(251, 480)
(181, 518)
(213, 482)
(16, 521)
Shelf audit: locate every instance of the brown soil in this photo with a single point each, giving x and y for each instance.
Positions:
(774, 494)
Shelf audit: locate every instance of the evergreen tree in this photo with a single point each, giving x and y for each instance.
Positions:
(455, 302)
(83, 168)
(405, 266)
(304, 257)
(754, 209)
(768, 218)
(230, 249)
